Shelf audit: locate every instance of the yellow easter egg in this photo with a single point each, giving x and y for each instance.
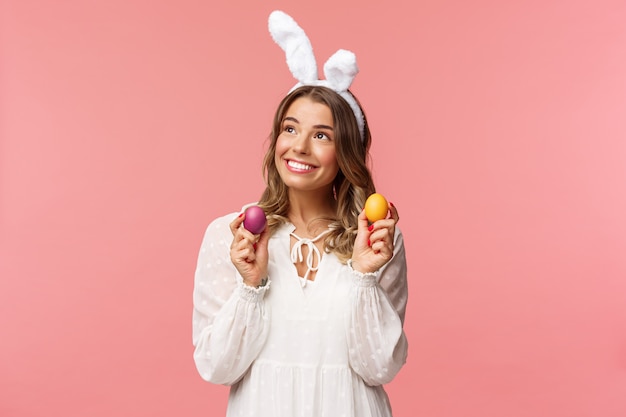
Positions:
(376, 207)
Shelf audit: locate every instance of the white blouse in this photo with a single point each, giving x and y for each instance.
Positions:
(288, 349)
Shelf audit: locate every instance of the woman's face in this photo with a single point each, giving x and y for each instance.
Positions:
(305, 148)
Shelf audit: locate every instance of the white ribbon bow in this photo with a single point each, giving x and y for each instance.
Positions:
(296, 254)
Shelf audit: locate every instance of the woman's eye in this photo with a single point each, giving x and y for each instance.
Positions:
(289, 129)
(321, 136)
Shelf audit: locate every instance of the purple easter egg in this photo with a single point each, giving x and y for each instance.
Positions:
(255, 219)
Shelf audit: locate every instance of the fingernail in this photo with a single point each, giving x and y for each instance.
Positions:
(369, 243)
(390, 203)
(241, 215)
(371, 227)
(254, 246)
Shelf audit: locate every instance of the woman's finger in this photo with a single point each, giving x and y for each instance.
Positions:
(394, 212)
(362, 221)
(234, 225)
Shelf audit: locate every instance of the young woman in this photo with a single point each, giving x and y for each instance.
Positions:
(306, 318)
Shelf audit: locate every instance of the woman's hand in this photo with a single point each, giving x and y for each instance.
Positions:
(248, 252)
(373, 246)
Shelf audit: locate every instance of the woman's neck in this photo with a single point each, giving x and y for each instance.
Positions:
(307, 207)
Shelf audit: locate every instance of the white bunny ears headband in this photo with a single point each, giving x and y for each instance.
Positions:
(340, 69)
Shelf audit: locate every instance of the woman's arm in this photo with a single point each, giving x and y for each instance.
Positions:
(230, 323)
(376, 339)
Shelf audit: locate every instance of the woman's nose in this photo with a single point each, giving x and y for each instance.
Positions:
(301, 144)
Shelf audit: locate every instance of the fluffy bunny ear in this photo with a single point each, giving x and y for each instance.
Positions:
(340, 70)
(298, 50)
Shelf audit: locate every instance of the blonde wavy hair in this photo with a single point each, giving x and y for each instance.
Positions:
(352, 185)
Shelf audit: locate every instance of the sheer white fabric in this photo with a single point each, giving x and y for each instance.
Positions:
(287, 350)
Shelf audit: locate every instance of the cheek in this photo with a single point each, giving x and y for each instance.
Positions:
(281, 147)
(328, 158)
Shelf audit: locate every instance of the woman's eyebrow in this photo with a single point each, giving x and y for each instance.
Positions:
(293, 119)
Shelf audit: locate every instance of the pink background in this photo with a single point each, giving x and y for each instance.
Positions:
(499, 133)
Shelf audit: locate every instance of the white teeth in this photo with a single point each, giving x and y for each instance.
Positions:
(298, 165)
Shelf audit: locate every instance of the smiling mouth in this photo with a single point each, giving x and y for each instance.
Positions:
(298, 166)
